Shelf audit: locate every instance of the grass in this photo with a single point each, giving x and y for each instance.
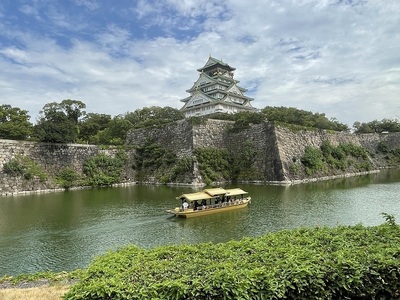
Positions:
(40, 286)
(36, 293)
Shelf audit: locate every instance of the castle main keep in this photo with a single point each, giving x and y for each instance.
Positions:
(216, 91)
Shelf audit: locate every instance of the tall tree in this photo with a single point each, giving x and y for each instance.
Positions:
(58, 122)
(116, 131)
(73, 109)
(90, 125)
(14, 123)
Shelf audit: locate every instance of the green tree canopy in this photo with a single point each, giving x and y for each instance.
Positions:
(14, 123)
(377, 126)
(58, 122)
(301, 117)
(90, 125)
(153, 116)
(73, 109)
(116, 131)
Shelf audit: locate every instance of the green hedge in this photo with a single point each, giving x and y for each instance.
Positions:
(347, 262)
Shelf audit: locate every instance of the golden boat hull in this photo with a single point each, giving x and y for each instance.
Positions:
(211, 209)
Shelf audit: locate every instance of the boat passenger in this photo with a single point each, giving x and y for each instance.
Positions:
(185, 205)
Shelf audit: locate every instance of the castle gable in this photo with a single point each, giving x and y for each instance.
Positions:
(235, 90)
(198, 99)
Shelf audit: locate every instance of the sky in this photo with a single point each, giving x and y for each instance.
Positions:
(338, 57)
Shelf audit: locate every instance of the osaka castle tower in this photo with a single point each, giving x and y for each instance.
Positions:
(215, 91)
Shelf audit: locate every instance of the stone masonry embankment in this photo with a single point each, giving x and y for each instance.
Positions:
(176, 136)
(51, 158)
(372, 141)
(262, 138)
(275, 149)
(291, 145)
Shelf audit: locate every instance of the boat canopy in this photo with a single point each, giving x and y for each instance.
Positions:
(195, 196)
(215, 191)
(235, 192)
(211, 193)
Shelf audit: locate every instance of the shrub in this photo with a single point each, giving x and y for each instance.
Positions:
(214, 164)
(67, 177)
(102, 170)
(13, 168)
(312, 160)
(294, 168)
(331, 158)
(26, 167)
(347, 262)
(152, 160)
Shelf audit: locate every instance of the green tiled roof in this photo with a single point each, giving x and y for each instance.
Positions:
(212, 62)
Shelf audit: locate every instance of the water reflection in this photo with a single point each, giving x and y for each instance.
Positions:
(64, 231)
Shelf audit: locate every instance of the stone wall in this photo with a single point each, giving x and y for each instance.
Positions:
(291, 145)
(371, 142)
(266, 159)
(276, 149)
(176, 136)
(211, 134)
(51, 158)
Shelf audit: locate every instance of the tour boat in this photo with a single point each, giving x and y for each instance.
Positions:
(210, 201)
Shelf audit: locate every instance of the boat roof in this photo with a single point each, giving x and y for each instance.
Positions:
(211, 193)
(235, 192)
(215, 191)
(195, 196)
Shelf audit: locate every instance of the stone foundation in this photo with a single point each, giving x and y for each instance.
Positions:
(276, 149)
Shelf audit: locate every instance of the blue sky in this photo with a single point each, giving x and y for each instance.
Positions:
(339, 57)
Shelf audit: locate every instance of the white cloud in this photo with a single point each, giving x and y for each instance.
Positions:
(334, 57)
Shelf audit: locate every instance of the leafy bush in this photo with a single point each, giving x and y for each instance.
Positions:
(102, 170)
(234, 164)
(198, 120)
(213, 164)
(347, 262)
(294, 168)
(67, 177)
(312, 160)
(305, 119)
(24, 166)
(13, 168)
(330, 158)
(182, 167)
(152, 160)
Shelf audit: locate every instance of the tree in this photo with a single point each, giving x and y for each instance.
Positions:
(58, 122)
(244, 118)
(377, 126)
(73, 109)
(153, 116)
(91, 125)
(362, 128)
(116, 131)
(14, 123)
(301, 117)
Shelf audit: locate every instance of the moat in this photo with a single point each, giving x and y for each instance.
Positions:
(65, 230)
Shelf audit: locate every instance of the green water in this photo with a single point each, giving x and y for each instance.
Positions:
(64, 231)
